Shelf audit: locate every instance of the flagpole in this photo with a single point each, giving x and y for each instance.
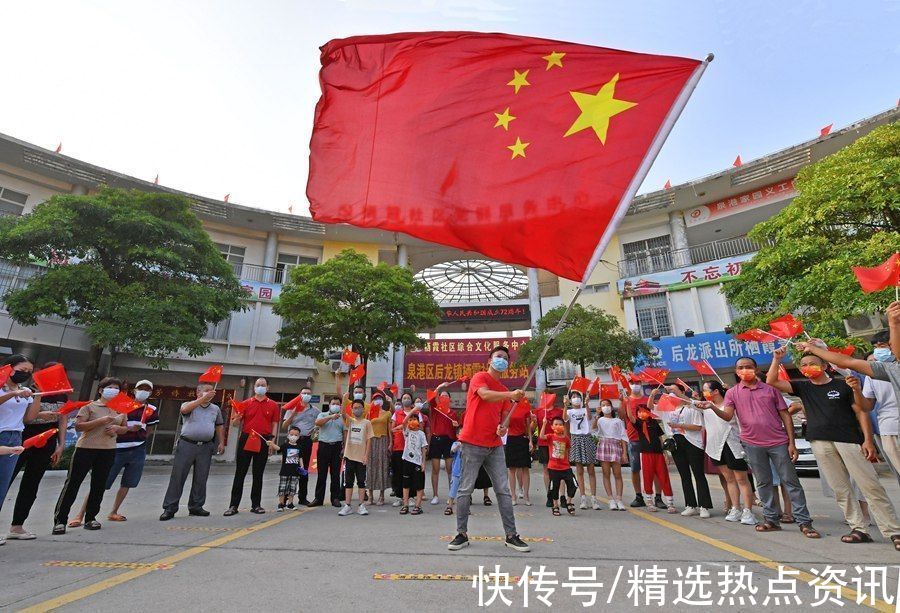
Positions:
(622, 208)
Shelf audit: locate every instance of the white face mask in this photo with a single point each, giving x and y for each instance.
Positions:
(418, 405)
(576, 401)
(109, 393)
(141, 395)
(637, 390)
(260, 390)
(305, 398)
(606, 409)
(357, 396)
(378, 402)
(293, 438)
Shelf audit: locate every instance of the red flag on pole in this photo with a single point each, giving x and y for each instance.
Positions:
(826, 130)
(667, 403)
(5, 372)
(758, 335)
(703, 367)
(684, 385)
(294, 403)
(616, 373)
(52, 380)
(239, 406)
(357, 373)
(848, 350)
(394, 389)
(253, 443)
(786, 326)
(147, 414)
(595, 387)
(349, 357)
(213, 374)
(547, 401)
(737, 162)
(783, 373)
(59, 147)
(511, 146)
(609, 391)
(883, 276)
(71, 406)
(225, 199)
(653, 375)
(580, 384)
(123, 403)
(430, 395)
(668, 184)
(40, 440)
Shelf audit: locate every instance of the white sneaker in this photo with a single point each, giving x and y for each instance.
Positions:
(747, 518)
(734, 514)
(345, 510)
(435, 500)
(2, 540)
(583, 505)
(594, 504)
(515, 502)
(612, 505)
(397, 503)
(620, 505)
(689, 511)
(704, 513)
(362, 510)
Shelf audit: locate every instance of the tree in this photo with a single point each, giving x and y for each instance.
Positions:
(135, 269)
(589, 335)
(349, 302)
(846, 213)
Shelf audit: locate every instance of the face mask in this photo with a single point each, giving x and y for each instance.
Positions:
(357, 396)
(20, 376)
(109, 393)
(293, 438)
(559, 429)
(412, 424)
(407, 402)
(357, 412)
(378, 402)
(813, 371)
(335, 408)
(141, 395)
(260, 390)
(883, 354)
(707, 395)
(499, 364)
(607, 410)
(637, 390)
(576, 401)
(305, 398)
(747, 375)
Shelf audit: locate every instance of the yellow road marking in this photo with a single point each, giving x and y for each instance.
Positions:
(846, 593)
(527, 539)
(105, 584)
(198, 529)
(95, 564)
(431, 577)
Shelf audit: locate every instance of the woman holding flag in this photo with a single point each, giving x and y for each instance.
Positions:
(442, 435)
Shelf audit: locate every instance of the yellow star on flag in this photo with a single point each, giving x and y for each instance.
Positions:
(518, 149)
(503, 119)
(519, 80)
(554, 59)
(597, 109)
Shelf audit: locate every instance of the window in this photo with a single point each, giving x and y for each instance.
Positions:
(11, 202)
(234, 255)
(648, 255)
(219, 331)
(286, 261)
(652, 315)
(596, 288)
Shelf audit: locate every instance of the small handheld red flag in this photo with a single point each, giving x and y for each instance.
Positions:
(357, 373)
(580, 384)
(783, 373)
(667, 403)
(848, 350)
(382, 386)
(444, 403)
(5, 372)
(71, 406)
(786, 326)
(213, 374)
(253, 444)
(616, 373)
(239, 406)
(430, 395)
(39, 440)
(883, 276)
(609, 391)
(703, 367)
(349, 357)
(293, 403)
(394, 389)
(595, 387)
(52, 380)
(758, 335)
(147, 414)
(653, 375)
(123, 403)
(686, 387)
(547, 401)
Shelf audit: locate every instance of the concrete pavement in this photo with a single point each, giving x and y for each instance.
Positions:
(311, 560)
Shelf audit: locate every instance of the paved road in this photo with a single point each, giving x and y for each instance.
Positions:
(314, 560)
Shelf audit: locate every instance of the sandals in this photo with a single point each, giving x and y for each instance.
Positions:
(231, 511)
(857, 536)
(116, 517)
(404, 510)
(787, 518)
(557, 514)
(570, 508)
(768, 526)
(487, 501)
(811, 533)
(896, 541)
(448, 510)
(416, 510)
(92, 525)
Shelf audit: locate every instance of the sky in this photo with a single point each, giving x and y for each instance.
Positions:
(217, 97)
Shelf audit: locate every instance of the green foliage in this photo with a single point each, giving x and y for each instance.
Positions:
(349, 302)
(140, 274)
(589, 335)
(847, 213)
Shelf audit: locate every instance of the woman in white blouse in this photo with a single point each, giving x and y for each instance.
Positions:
(687, 428)
(723, 446)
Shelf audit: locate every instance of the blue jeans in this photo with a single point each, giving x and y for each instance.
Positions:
(8, 438)
(494, 461)
(762, 460)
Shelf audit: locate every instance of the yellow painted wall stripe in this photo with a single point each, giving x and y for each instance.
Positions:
(105, 584)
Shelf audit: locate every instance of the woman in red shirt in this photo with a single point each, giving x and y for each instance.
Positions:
(518, 450)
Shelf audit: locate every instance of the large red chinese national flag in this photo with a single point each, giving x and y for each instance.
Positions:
(523, 149)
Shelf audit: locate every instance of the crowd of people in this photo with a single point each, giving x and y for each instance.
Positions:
(744, 433)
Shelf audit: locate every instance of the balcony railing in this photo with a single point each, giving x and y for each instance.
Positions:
(660, 260)
(260, 274)
(16, 276)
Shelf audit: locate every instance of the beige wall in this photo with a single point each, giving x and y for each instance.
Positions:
(606, 271)
(332, 248)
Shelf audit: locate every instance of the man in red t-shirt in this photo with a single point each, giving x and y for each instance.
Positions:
(259, 418)
(486, 402)
(543, 456)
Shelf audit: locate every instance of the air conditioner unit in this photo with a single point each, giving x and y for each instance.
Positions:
(865, 325)
(336, 366)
